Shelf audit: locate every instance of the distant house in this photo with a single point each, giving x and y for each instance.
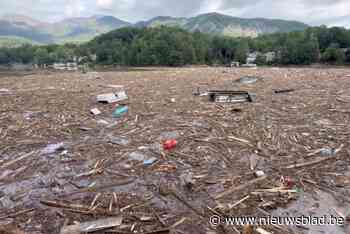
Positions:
(270, 56)
(251, 65)
(65, 66)
(251, 57)
(234, 64)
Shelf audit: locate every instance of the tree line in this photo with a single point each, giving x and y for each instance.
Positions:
(314, 45)
(176, 47)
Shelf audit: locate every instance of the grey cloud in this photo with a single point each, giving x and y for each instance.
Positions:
(314, 12)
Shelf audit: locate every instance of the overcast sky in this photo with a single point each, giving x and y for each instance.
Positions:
(314, 12)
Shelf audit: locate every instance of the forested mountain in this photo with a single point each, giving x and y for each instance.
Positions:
(171, 46)
(80, 30)
(227, 25)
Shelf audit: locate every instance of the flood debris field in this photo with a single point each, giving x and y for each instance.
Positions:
(286, 153)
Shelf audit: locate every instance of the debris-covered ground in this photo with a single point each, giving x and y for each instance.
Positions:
(173, 159)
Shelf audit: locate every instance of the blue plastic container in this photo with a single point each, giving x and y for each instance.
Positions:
(120, 111)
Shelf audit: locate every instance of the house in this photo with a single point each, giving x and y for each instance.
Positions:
(65, 66)
(270, 56)
(234, 64)
(251, 57)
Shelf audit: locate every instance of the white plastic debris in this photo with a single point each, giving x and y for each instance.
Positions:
(102, 122)
(259, 173)
(95, 111)
(4, 90)
(52, 148)
(107, 98)
(112, 97)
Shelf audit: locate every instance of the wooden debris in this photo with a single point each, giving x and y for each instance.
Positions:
(241, 187)
(238, 202)
(77, 208)
(13, 215)
(14, 161)
(311, 163)
(275, 190)
(92, 226)
(240, 140)
(262, 231)
(248, 229)
(181, 221)
(284, 91)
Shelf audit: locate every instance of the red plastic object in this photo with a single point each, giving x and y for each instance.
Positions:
(287, 182)
(169, 144)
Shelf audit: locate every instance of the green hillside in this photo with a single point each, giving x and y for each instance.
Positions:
(78, 30)
(13, 41)
(219, 24)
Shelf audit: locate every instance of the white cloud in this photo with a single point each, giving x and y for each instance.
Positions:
(75, 8)
(104, 4)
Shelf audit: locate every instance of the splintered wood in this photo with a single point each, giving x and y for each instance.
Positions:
(66, 164)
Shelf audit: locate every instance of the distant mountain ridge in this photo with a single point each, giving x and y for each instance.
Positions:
(227, 25)
(85, 28)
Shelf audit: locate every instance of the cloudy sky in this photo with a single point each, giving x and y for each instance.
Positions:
(314, 12)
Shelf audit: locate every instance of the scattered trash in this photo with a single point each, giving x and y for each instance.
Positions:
(236, 110)
(93, 226)
(287, 182)
(229, 96)
(166, 168)
(28, 115)
(248, 80)
(169, 144)
(120, 111)
(103, 122)
(5, 91)
(168, 135)
(52, 148)
(187, 180)
(149, 161)
(118, 140)
(233, 152)
(241, 187)
(197, 92)
(6, 202)
(173, 100)
(284, 91)
(95, 111)
(342, 181)
(262, 231)
(85, 129)
(259, 173)
(327, 151)
(137, 156)
(112, 97)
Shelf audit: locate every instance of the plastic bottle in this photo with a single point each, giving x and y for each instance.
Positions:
(120, 111)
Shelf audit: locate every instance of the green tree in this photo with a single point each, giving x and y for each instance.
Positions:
(333, 55)
(41, 56)
(241, 51)
(4, 58)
